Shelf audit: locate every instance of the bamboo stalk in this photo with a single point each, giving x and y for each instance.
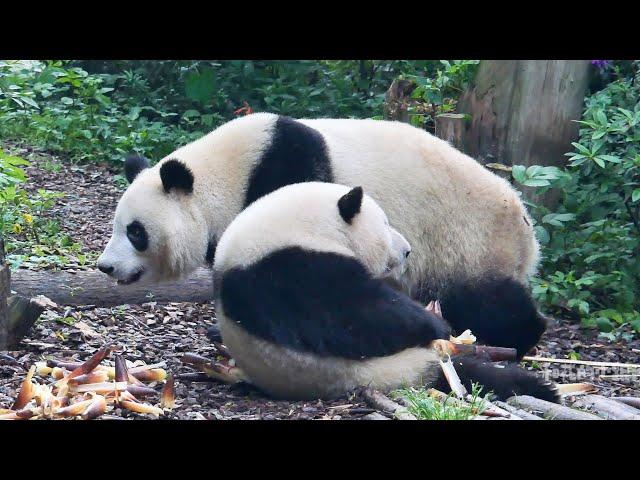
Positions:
(580, 362)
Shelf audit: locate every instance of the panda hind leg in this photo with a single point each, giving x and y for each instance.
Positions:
(500, 313)
(503, 381)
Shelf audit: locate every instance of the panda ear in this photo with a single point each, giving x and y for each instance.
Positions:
(176, 175)
(350, 203)
(133, 165)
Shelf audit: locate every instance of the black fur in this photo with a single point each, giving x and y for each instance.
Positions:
(498, 312)
(504, 382)
(350, 203)
(176, 175)
(297, 154)
(213, 333)
(211, 252)
(326, 304)
(133, 165)
(137, 235)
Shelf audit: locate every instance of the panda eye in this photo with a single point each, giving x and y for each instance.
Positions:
(137, 235)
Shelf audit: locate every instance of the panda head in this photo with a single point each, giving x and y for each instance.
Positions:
(158, 231)
(379, 246)
(315, 216)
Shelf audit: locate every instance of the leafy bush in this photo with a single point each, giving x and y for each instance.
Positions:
(153, 107)
(31, 240)
(592, 241)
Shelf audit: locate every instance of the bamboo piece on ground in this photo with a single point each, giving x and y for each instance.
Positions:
(550, 410)
(580, 362)
(566, 389)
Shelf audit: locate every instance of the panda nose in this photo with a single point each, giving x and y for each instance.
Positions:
(406, 254)
(105, 269)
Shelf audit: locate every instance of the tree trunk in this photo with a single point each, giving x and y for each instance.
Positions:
(95, 288)
(522, 113)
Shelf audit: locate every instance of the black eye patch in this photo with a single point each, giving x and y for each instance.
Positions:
(137, 235)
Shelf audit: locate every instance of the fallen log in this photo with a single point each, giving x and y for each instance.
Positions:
(91, 287)
(631, 401)
(549, 410)
(607, 408)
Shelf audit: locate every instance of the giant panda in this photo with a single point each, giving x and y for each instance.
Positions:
(473, 243)
(304, 310)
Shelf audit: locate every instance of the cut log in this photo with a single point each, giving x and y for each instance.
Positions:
(92, 287)
(608, 408)
(549, 410)
(375, 416)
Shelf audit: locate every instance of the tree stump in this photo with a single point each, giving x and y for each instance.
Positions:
(450, 127)
(397, 100)
(523, 112)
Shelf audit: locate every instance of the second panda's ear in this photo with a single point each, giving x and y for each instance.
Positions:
(350, 203)
(176, 175)
(133, 165)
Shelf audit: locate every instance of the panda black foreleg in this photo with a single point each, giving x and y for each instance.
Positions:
(498, 312)
(504, 382)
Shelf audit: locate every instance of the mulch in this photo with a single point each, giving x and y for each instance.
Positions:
(155, 332)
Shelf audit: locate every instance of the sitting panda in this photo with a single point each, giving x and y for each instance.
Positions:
(303, 308)
(473, 243)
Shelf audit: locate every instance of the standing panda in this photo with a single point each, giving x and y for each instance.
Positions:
(473, 243)
(305, 313)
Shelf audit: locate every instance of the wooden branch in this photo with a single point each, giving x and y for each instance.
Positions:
(380, 401)
(580, 362)
(607, 408)
(91, 287)
(495, 354)
(549, 410)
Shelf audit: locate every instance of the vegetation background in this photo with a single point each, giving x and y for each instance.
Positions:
(101, 111)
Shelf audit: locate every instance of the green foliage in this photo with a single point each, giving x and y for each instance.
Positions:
(440, 90)
(105, 110)
(592, 241)
(425, 407)
(31, 240)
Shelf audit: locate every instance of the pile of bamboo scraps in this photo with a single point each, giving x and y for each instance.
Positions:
(91, 389)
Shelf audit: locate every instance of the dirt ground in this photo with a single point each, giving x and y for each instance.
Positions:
(163, 332)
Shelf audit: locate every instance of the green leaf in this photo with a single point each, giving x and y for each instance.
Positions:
(518, 173)
(200, 86)
(599, 161)
(604, 324)
(635, 196)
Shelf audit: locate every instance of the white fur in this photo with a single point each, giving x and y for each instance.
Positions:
(306, 215)
(460, 219)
